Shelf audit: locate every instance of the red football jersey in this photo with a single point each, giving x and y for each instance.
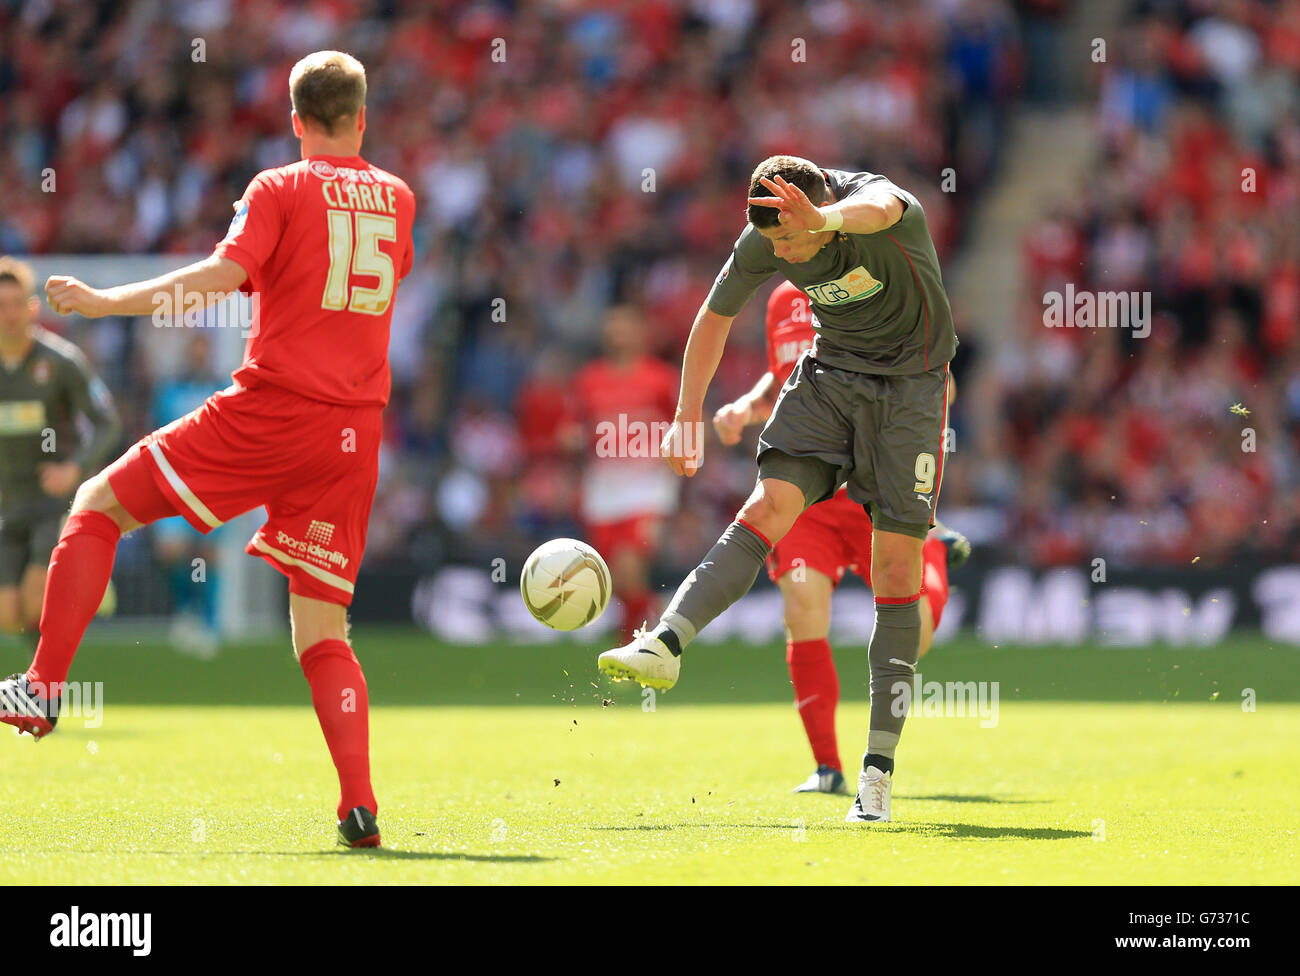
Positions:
(789, 330)
(324, 241)
(644, 393)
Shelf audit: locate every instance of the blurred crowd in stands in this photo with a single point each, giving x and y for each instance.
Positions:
(1106, 444)
(568, 157)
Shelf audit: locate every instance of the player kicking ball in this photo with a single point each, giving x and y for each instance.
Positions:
(322, 243)
(866, 406)
(826, 541)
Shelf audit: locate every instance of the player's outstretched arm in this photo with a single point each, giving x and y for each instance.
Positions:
(211, 279)
(859, 214)
(753, 407)
(683, 445)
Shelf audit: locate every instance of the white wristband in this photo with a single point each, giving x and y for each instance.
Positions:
(834, 220)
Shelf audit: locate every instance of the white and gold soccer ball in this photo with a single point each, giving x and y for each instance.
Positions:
(565, 584)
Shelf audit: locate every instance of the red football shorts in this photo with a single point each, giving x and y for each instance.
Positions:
(831, 537)
(640, 533)
(313, 465)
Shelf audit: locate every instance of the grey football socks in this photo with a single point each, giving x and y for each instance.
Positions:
(721, 578)
(893, 653)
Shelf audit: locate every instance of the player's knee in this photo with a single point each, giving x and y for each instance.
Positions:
(892, 576)
(806, 594)
(772, 512)
(94, 495)
(806, 616)
(312, 634)
(313, 621)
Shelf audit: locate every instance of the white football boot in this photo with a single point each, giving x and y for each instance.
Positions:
(872, 804)
(647, 660)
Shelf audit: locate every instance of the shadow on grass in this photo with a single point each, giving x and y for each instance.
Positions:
(382, 854)
(726, 825)
(964, 831)
(958, 831)
(967, 798)
(389, 854)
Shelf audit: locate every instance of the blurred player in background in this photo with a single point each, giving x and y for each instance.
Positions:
(322, 244)
(176, 544)
(45, 386)
(626, 492)
(827, 540)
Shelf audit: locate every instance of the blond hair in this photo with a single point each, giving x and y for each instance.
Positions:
(327, 87)
(13, 271)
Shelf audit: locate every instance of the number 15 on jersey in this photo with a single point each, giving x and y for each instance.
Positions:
(354, 250)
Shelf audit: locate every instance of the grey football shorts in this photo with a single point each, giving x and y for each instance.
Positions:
(26, 541)
(881, 435)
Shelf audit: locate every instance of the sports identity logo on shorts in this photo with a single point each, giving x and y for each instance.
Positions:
(852, 287)
(320, 532)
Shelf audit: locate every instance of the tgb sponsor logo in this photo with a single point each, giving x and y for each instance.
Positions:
(319, 535)
(851, 287)
(102, 930)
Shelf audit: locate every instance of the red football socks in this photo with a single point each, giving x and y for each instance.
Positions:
(80, 567)
(338, 692)
(816, 693)
(934, 586)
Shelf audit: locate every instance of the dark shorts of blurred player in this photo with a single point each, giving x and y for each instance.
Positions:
(313, 465)
(827, 541)
(26, 541)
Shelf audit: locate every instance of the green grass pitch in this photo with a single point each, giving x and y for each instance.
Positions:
(511, 765)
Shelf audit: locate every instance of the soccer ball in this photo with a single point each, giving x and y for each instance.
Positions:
(565, 584)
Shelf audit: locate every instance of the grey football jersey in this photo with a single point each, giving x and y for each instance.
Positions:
(40, 400)
(878, 299)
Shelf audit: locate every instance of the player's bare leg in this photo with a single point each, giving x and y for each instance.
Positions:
(944, 549)
(927, 628)
(96, 495)
(807, 598)
(312, 621)
(723, 577)
(896, 572)
(80, 568)
(338, 693)
(31, 593)
(11, 613)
